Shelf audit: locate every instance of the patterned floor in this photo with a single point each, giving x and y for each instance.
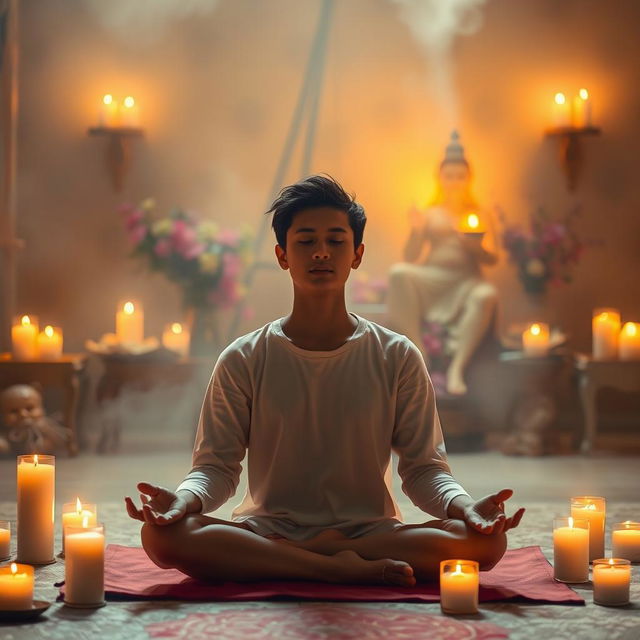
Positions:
(134, 620)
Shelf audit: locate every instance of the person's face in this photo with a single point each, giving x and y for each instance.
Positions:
(320, 252)
(21, 406)
(454, 178)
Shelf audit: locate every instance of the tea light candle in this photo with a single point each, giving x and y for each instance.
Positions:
(24, 334)
(130, 323)
(176, 337)
(629, 342)
(582, 109)
(535, 340)
(472, 224)
(459, 583)
(74, 514)
(606, 330)
(593, 509)
(5, 540)
(16, 587)
(84, 566)
(108, 114)
(129, 115)
(50, 343)
(625, 540)
(611, 581)
(561, 111)
(570, 550)
(36, 496)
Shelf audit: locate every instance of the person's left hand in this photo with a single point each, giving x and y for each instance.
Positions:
(487, 514)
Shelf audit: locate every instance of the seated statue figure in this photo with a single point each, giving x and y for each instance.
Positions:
(440, 279)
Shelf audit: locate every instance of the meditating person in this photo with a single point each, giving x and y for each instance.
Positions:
(319, 399)
(441, 278)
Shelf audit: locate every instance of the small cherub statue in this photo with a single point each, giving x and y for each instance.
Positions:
(25, 427)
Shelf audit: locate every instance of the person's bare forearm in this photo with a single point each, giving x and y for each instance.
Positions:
(194, 504)
(457, 506)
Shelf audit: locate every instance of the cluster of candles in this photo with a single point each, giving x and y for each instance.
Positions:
(115, 114)
(29, 343)
(574, 113)
(82, 535)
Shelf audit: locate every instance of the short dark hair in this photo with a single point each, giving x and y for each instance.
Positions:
(315, 191)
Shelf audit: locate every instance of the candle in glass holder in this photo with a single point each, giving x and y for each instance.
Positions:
(176, 337)
(611, 581)
(593, 509)
(535, 340)
(84, 566)
(625, 540)
(74, 514)
(5, 540)
(570, 550)
(561, 111)
(24, 338)
(605, 330)
(50, 343)
(629, 341)
(130, 322)
(459, 583)
(16, 587)
(36, 503)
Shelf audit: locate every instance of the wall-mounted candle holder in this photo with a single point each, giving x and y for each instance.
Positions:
(118, 152)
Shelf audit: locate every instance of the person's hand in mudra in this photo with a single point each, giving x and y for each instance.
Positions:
(159, 505)
(487, 514)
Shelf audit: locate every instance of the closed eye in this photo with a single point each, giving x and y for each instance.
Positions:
(310, 241)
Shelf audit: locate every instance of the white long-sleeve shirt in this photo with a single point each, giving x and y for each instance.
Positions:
(319, 427)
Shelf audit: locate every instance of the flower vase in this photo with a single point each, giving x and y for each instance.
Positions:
(205, 339)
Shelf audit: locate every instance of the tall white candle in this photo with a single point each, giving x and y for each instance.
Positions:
(459, 584)
(570, 550)
(582, 109)
(130, 323)
(84, 566)
(593, 509)
(108, 114)
(16, 587)
(24, 335)
(611, 581)
(36, 504)
(50, 343)
(629, 343)
(605, 330)
(129, 114)
(75, 514)
(561, 111)
(535, 340)
(625, 540)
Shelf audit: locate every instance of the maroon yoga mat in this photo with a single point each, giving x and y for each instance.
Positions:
(522, 574)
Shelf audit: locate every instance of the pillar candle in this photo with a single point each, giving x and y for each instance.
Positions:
(24, 334)
(629, 342)
(16, 587)
(535, 340)
(74, 514)
(561, 111)
(36, 503)
(625, 540)
(593, 509)
(129, 114)
(84, 566)
(108, 115)
(570, 550)
(459, 582)
(130, 323)
(605, 330)
(582, 109)
(611, 581)
(176, 337)
(50, 343)
(5, 540)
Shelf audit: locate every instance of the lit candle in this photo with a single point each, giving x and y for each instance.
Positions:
(24, 334)
(606, 331)
(611, 581)
(459, 582)
(16, 587)
(176, 337)
(472, 224)
(535, 340)
(5, 540)
(129, 116)
(629, 343)
(570, 550)
(50, 343)
(84, 566)
(582, 109)
(130, 323)
(561, 111)
(36, 503)
(108, 115)
(593, 509)
(625, 540)
(74, 514)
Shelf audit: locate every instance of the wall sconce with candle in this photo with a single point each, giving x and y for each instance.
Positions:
(120, 124)
(571, 122)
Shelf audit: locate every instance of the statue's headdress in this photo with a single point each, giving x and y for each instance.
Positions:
(454, 151)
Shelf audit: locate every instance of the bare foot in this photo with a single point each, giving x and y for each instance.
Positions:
(324, 542)
(351, 568)
(455, 382)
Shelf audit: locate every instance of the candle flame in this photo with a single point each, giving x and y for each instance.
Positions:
(176, 328)
(48, 330)
(584, 94)
(129, 102)
(85, 522)
(571, 522)
(107, 98)
(535, 329)
(603, 316)
(128, 308)
(559, 98)
(473, 221)
(630, 328)
(590, 506)
(25, 320)
(14, 568)
(458, 569)
(611, 562)
(35, 460)
(78, 506)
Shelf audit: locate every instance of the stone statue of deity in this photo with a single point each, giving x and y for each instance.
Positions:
(440, 280)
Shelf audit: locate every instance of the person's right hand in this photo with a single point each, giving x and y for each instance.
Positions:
(159, 505)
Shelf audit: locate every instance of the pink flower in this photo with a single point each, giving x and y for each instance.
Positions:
(184, 240)
(137, 234)
(134, 218)
(228, 237)
(162, 248)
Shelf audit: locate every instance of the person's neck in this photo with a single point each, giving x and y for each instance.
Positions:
(319, 324)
